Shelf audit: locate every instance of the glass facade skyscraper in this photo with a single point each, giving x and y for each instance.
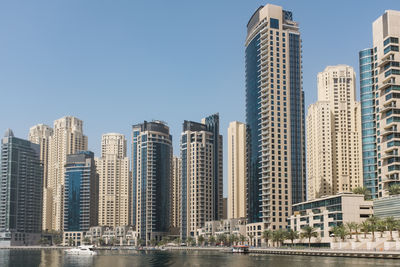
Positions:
(274, 117)
(21, 180)
(152, 174)
(368, 124)
(81, 193)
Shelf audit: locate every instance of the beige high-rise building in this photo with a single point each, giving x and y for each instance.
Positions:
(380, 98)
(197, 171)
(67, 139)
(334, 157)
(114, 185)
(40, 134)
(237, 170)
(176, 191)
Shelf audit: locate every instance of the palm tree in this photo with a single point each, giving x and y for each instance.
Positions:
(292, 235)
(391, 225)
(373, 224)
(309, 232)
(278, 236)
(363, 191)
(189, 241)
(351, 226)
(365, 227)
(381, 227)
(340, 231)
(356, 227)
(86, 240)
(242, 238)
(267, 235)
(201, 240)
(211, 239)
(394, 189)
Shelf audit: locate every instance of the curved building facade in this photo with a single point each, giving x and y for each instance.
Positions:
(274, 116)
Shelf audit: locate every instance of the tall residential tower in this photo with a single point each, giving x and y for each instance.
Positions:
(380, 105)
(40, 134)
(152, 175)
(334, 161)
(114, 181)
(67, 139)
(274, 116)
(237, 170)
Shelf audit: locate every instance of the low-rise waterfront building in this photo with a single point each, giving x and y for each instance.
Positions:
(118, 236)
(254, 234)
(73, 238)
(234, 226)
(326, 212)
(387, 207)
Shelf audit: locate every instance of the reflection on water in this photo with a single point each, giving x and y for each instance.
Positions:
(57, 258)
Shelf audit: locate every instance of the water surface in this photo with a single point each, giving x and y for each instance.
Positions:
(57, 258)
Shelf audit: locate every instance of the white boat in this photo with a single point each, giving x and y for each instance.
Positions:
(82, 250)
(240, 249)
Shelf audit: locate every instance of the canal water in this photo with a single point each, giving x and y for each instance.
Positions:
(57, 258)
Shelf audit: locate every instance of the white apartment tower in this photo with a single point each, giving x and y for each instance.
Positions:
(237, 173)
(114, 181)
(40, 134)
(334, 154)
(67, 139)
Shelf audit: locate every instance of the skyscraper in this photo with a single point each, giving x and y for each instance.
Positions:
(40, 134)
(334, 135)
(114, 181)
(176, 191)
(67, 139)
(152, 175)
(21, 181)
(275, 116)
(379, 83)
(212, 124)
(200, 184)
(237, 172)
(81, 194)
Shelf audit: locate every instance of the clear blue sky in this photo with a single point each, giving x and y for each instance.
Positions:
(117, 63)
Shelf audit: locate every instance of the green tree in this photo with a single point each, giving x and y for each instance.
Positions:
(340, 231)
(242, 238)
(309, 232)
(211, 239)
(101, 241)
(267, 235)
(394, 189)
(356, 227)
(365, 228)
(70, 242)
(351, 226)
(251, 239)
(363, 191)
(292, 235)
(221, 239)
(201, 240)
(391, 225)
(189, 241)
(43, 241)
(86, 240)
(140, 242)
(373, 224)
(381, 227)
(153, 242)
(57, 240)
(278, 237)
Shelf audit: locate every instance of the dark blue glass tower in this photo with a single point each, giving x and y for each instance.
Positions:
(81, 192)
